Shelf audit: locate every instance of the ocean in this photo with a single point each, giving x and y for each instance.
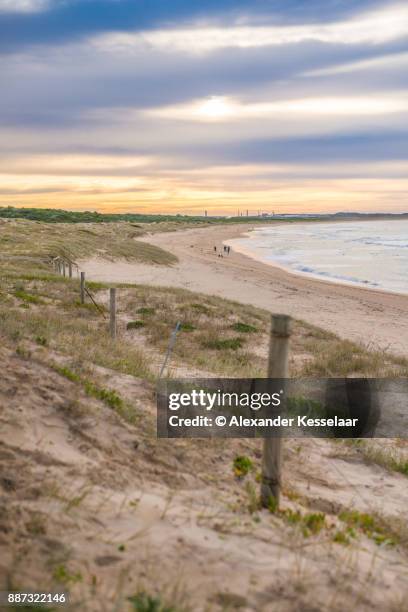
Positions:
(371, 254)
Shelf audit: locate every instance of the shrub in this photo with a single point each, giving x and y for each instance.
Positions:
(242, 466)
(371, 526)
(110, 397)
(244, 328)
(135, 324)
(201, 308)
(64, 371)
(27, 297)
(146, 311)
(344, 536)
(187, 327)
(232, 344)
(143, 602)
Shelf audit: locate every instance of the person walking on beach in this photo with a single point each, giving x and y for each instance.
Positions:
(215, 249)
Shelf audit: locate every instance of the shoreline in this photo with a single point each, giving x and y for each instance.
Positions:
(371, 316)
(308, 275)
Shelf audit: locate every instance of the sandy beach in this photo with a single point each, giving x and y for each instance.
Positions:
(376, 318)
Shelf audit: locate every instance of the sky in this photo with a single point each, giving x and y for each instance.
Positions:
(186, 106)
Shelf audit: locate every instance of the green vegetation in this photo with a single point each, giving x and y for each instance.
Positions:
(244, 328)
(187, 327)
(108, 396)
(143, 602)
(62, 575)
(41, 340)
(301, 405)
(68, 373)
(135, 324)
(272, 504)
(370, 525)
(242, 466)
(232, 344)
(313, 522)
(310, 523)
(53, 215)
(26, 297)
(146, 311)
(344, 536)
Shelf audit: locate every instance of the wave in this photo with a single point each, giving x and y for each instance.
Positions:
(369, 254)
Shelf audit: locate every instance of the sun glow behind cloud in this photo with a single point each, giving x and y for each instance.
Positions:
(228, 109)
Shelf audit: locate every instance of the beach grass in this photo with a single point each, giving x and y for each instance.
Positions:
(391, 456)
(26, 245)
(229, 338)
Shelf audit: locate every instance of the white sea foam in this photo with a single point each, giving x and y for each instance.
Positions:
(368, 253)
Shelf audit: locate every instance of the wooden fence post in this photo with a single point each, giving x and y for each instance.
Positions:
(112, 311)
(82, 287)
(272, 447)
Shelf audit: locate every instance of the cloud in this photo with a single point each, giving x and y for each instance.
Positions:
(372, 28)
(23, 6)
(69, 20)
(76, 165)
(390, 61)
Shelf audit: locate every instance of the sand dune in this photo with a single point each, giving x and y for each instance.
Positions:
(108, 510)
